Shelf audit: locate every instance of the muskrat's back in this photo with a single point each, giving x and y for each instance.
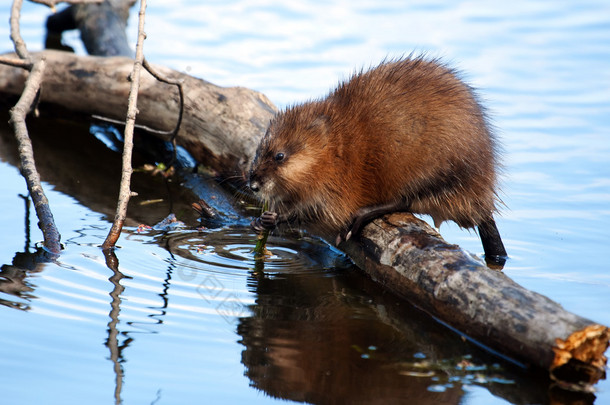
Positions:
(408, 134)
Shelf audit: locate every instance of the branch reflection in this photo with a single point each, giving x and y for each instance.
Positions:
(116, 349)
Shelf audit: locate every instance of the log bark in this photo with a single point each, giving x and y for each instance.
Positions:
(221, 125)
(221, 128)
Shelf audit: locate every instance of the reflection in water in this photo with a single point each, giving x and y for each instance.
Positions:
(115, 346)
(116, 349)
(341, 339)
(13, 277)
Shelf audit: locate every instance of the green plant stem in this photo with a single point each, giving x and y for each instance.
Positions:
(259, 249)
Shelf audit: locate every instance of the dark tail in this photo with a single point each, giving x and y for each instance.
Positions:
(495, 254)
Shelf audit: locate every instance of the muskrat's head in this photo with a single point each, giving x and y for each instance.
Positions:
(291, 157)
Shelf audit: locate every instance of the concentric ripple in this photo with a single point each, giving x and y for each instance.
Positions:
(230, 251)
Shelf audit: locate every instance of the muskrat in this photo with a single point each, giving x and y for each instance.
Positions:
(407, 135)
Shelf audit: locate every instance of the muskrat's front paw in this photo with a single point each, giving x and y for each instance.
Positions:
(269, 219)
(266, 222)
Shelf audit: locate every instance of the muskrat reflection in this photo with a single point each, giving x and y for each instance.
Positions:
(310, 339)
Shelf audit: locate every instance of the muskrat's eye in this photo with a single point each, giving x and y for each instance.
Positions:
(279, 157)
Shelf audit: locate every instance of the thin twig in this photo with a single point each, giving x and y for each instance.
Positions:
(20, 63)
(138, 126)
(125, 191)
(176, 82)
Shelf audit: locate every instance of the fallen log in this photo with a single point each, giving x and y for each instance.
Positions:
(221, 128)
(221, 125)
(407, 256)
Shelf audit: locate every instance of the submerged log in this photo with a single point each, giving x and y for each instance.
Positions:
(221, 128)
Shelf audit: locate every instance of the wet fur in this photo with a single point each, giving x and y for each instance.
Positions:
(408, 132)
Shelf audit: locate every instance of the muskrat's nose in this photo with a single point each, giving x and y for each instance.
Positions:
(255, 186)
(254, 181)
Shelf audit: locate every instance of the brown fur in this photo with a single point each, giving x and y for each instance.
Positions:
(407, 130)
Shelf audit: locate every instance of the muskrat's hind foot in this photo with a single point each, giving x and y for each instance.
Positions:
(266, 222)
(495, 253)
(365, 215)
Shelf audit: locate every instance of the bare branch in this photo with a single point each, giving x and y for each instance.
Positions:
(125, 192)
(18, 113)
(26, 154)
(16, 62)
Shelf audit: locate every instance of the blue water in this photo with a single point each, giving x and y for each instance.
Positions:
(194, 318)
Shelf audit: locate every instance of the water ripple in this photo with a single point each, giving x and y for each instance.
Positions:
(230, 252)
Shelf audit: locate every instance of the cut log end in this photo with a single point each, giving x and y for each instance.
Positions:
(580, 357)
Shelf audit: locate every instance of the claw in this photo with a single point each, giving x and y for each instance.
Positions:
(365, 215)
(343, 236)
(351, 230)
(256, 225)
